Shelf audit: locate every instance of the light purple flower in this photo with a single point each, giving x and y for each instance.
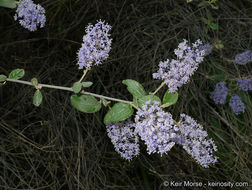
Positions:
(30, 15)
(124, 138)
(220, 93)
(236, 104)
(196, 142)
(96, 45)
(177, 72)
(245, 84)
(156, 128)
(243, 58)
(207, 48)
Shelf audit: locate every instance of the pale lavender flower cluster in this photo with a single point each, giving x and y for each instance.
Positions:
(156, 128)
(177, 72)
(160, 133)
(30, 15)
(220, 93)
(96, 45)
(243, 58)
(124, 139)
(245, 84)
(207, 48)
(237, 105)
(196, 141)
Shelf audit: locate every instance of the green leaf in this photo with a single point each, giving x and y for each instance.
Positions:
(77, 87)
(215, 6)
(135, 101)
(3, 78)
(213, 1)
(134, 87)
(203, 3)
(8, 4)
(85, 103)
(119, 112)
(16, 74)
(86, 84)
(205, 20)
(214, 26)
(143, 99)
(169, 99)
(219, 77)
(34, 81)
(37, 98)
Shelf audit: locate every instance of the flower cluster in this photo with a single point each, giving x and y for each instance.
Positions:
(237, 105)
(196, 141)
(156, 128)
(243, 58)
(177, 72)
(220, 93)
(124, 139)
(30, 15)
(96, 45)
(245, 84)
(207, 48)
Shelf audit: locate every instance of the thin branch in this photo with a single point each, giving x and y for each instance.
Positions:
(161, 85)
(71, 90)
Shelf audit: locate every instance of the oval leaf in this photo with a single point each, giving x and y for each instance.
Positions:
(8, 3)
(214, 26)
(77, 87)
(143, 99)
(134, 87)
(37, 98)
(119, 112)
(169, 99)
(219, 77)
(16, 74)
(86, 84)
(3, 78)
(204, 3)
(85, 103)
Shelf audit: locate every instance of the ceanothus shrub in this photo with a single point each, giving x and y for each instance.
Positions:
(151, 124)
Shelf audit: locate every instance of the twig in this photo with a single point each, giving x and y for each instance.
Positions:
(71, 90)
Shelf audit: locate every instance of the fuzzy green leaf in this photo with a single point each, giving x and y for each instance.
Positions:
(203, 3)
(219, 77)
(169, 99)
(85, 103)
(86, 84)
(119, 112)
(37, 98)
(214, 26)
(77, 87)
(16, 74)
(3, 78)
(8, 4)
(134, 87)
(215, 6)
(205, 20)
